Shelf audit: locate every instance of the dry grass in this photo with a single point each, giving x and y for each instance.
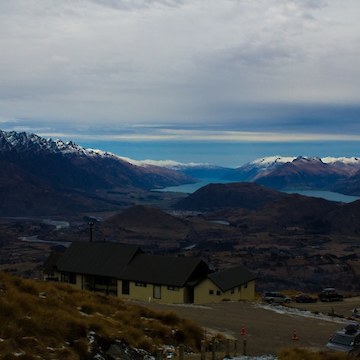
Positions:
(303, 354)
(53, 321)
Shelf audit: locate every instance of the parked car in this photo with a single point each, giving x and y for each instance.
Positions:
(346, 340)
(274, 297)
(330, 294)
(305, 298)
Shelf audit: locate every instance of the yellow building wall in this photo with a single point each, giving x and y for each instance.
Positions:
(207, 292)
(146, 293)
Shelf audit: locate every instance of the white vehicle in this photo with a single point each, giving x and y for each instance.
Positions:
(274, 297)
(346, 340)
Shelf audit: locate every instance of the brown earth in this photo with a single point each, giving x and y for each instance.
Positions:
(266, 331)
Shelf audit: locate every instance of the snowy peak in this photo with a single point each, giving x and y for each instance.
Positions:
(296, 172)
(23, 142)
(271, 160)
(274, 161)
(19, 142)
(170, 164)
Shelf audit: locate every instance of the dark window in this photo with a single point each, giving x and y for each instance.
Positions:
(125, 287)
(68, 277)
(211, 292)
(218, 292)
(173, 288)
(72, 278)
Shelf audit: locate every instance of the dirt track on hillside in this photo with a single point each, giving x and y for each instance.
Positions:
(266, 330)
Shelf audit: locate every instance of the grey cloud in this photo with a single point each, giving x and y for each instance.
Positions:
(174, 61)
(136, 4)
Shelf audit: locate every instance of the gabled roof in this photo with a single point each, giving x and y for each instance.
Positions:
(231, 278)
(165, 270)
(97, 258)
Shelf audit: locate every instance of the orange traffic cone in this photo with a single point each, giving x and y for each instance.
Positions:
(294, 336)
(243, 332)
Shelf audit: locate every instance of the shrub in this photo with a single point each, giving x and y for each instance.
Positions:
(303, 354)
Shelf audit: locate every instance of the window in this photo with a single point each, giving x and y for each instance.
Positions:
(211, 292)
(245, 285)
(232, 291)
(218, 292)
(173, 288)
(68, 277)
(125, 287)
(141, 284)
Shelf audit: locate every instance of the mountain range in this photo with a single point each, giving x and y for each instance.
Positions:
(333, 174)
(45, 177)
(42, 175)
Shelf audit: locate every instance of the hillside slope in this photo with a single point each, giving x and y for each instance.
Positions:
(240, 195)
(55, 321)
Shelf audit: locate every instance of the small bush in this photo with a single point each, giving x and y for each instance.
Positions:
(303, 354)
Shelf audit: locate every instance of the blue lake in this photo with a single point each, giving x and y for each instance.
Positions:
(328, 195)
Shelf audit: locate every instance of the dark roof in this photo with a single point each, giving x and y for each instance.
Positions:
(165, 270)
(230, 278)
(97, 258)
(51, 261)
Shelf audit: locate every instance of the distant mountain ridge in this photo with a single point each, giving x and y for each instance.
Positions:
(36, 171)
(302, 172)
(196, 170)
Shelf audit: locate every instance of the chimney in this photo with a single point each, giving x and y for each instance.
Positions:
(91, 224)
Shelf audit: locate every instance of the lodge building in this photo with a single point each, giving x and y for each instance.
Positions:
(129, 273)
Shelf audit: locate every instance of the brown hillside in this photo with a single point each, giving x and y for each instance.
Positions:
(233, 195)
(345, 218)
(144, 220)
(307, 213)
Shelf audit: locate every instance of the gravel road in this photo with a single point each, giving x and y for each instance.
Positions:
(269, 328)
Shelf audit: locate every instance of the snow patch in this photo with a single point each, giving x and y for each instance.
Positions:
(285, 310)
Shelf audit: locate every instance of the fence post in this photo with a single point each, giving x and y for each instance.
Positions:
(203, 350)
(244, 346)
(227, 354)
(159, 354)
(181, 352)
(213, 349)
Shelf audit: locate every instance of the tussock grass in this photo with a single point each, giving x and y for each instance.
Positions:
(53, 321)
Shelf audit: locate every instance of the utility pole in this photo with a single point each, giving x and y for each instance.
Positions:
(91, 224)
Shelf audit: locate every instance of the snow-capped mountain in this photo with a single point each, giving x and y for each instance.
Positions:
(297, 172)
(32, 167)
(196, 170)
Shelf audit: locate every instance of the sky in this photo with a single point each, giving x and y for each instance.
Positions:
(146, 75)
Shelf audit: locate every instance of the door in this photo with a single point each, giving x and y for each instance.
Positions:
(157, 292)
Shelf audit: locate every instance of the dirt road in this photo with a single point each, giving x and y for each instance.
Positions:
(267, 329)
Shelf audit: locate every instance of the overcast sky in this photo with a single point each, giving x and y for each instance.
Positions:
(267, 70)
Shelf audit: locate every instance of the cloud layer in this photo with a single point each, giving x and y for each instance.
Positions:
(284, 65)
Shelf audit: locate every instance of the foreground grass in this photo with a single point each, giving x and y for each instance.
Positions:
(55, 321)
(303, 354)
(40, 320)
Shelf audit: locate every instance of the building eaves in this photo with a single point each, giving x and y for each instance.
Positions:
(230, 278)
(97, 258)
(164, 270)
